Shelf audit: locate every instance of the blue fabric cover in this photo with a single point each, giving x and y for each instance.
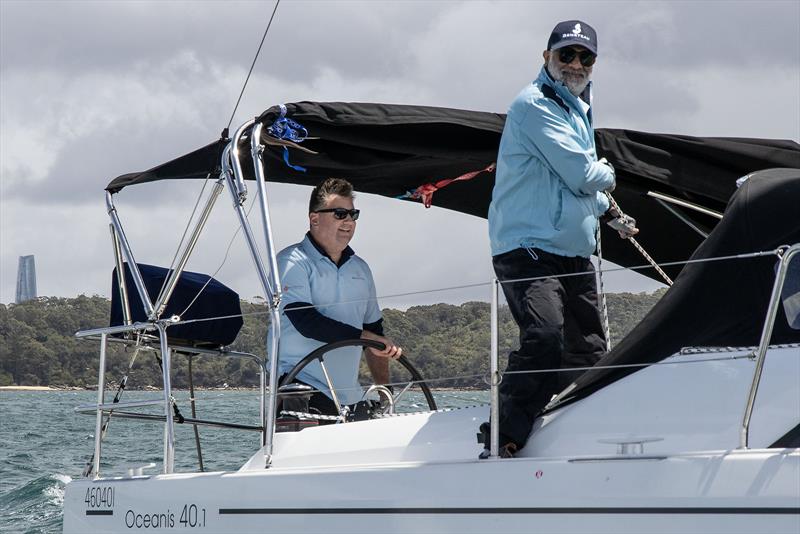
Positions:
(216, 300)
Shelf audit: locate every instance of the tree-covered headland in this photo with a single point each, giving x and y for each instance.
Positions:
(38, 347)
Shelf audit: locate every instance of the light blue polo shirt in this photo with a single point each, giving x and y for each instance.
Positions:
(345, 293)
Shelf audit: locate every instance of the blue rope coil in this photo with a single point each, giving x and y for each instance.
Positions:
(288, 130)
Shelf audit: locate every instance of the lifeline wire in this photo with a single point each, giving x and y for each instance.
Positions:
(570, 369)
(747, 255)
(567, 369)
(254, 62)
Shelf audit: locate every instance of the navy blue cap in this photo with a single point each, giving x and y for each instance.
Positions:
(573, 32)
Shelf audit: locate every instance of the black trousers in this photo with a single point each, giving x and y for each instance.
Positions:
(559, 327)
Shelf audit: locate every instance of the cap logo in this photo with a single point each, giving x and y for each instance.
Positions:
(576, 33)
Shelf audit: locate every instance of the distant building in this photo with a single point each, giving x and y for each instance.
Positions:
(26, 279)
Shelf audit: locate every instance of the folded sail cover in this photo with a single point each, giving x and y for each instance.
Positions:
(196, 296)
(719, 303)
(391, 150)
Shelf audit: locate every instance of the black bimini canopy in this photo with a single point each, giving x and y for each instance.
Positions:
(392, 150)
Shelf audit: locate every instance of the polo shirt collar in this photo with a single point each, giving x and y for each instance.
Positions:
(346, 253)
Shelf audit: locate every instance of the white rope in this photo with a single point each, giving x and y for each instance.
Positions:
(638, 246)
(306, 416)
(603, 302)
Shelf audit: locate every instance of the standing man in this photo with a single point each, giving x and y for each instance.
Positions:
(547, 198)
(329, 295)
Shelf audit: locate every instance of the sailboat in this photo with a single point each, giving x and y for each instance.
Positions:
(691, 423)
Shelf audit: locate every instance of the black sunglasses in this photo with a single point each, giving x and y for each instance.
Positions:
(567, 55)
(341, 213)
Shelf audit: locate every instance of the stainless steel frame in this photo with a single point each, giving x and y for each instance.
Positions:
(685, 204)
(257, 149)
(87, 408)
(123, 287)
(228, 174)
(683, 218)
(232, 175)
(270, 280)
(240, 187)
(494, 432)
(169, 430)
(101, 389)
(786, 254)
(128, 255)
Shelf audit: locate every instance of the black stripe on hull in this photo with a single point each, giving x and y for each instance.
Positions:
(368, 511)
(99, 512)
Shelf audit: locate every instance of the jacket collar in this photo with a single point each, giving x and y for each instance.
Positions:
(315, 249)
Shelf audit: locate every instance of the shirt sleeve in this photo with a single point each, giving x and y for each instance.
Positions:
(376, 327)
(544, 127)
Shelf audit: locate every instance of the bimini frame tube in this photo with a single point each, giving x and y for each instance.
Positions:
(123, 287)
(494, 430)
(229, 172)
(248, 231)
(238, 174)
(128, 255)
(169, 430)
(257, 149)
(101, 391)
(772, 311)
(172, 281)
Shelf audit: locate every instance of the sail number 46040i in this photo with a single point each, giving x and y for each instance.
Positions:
(99, 497)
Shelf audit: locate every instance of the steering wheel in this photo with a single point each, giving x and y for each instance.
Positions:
(319, 354)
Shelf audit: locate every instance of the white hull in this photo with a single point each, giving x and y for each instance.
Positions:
(752, 491)
(420, 473)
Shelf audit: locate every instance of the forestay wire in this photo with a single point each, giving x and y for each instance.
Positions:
(263, 37)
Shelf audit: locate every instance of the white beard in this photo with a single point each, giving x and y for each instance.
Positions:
(576, 82)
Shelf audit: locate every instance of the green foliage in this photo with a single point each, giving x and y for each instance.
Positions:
(38, 347)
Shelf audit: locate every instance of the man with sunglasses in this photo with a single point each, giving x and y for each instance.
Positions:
(329, 295)
(547, 199)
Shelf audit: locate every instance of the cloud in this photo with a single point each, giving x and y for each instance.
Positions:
(92, 90)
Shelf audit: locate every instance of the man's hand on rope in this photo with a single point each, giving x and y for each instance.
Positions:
(625, 225)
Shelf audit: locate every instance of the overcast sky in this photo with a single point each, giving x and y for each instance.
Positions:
(92, 90)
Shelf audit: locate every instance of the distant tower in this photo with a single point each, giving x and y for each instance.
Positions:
(26, 279)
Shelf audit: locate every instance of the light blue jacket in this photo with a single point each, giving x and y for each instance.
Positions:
(548, 188)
